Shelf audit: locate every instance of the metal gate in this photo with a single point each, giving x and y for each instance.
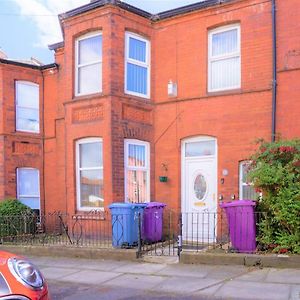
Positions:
(163, 236)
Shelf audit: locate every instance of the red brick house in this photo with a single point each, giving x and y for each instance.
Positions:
(133, 96)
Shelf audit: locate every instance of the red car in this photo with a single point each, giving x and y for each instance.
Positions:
(20, 279)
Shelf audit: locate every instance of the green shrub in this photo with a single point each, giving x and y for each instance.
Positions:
(275, 171)
(15, 218)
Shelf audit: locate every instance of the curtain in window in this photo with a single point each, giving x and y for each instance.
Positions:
(137, 66)
(225, 60)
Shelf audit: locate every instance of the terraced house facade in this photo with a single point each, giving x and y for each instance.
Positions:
(140, 107)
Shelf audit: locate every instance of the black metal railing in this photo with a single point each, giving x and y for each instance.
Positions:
(163, 232)
(91, 229)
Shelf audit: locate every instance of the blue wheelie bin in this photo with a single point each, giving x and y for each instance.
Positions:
(124, 221)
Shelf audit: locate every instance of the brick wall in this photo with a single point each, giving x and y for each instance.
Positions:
(178, 53)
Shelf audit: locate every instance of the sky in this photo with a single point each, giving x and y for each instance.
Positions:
(27, 27)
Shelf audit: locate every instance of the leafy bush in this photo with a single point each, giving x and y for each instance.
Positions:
(275, 171)
(15, 218)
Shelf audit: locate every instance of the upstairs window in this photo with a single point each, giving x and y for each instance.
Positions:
(88, 64)
(137, 65)
(224, 59)
(89, 174)
(137, 171)
(247, 191)
(27, 107)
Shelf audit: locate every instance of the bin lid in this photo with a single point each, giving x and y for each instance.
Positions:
(155, 204)
(127, 205)
(238, 203)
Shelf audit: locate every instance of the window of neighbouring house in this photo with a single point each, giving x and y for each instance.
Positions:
(27, 107)
(89, 165)
(88, 64)
(137, 171)
(224, 58)
(137, 65)
(28, 188)
(246, 190)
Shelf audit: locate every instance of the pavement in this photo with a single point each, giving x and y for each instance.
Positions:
(74, 278)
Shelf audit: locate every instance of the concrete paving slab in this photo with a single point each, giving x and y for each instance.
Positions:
(253, 290)
(57, 273)
(210, 291)
(227, 272)
(136, 281)
(140, 268)
(255, 275)
(185, 285)
(90, 277)
(74, 291)
(291, 276)
(295, 292)
(199, 271)
(91, 264)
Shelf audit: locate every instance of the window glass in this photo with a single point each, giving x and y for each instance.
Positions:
(90, 49)
(89, 64)
(90, 174)
(136, 78)
(27, 107)
(224, 42)
(137, 49)
(90, 155)
(137, 66)
(27, 119)
(225, 73)
(89, 78)
(28, 188)
(137, 179)
(202, 148)
(137, 155)
(247, 191)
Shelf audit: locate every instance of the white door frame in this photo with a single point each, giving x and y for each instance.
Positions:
(197, 159)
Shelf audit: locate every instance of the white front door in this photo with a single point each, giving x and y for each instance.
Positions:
(199, 189)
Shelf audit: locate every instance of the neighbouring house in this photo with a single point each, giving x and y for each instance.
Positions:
(133, 97)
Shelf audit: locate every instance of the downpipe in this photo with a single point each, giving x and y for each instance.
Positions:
(274, 68)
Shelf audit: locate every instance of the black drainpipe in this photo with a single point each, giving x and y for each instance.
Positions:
(274, 63)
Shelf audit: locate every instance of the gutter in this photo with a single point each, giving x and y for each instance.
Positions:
(274, 67)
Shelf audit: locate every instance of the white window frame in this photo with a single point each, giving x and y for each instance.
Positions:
(77, 65)
(146, 168)
(145, 64)
(78, 169)
(241, 183)
(212, 59)
(22, 82)
(29, 196)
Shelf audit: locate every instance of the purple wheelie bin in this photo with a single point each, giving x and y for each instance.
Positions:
(241, 224)
(153, 222)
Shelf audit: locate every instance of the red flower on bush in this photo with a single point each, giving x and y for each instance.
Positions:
(297, 163)
(287, 149)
